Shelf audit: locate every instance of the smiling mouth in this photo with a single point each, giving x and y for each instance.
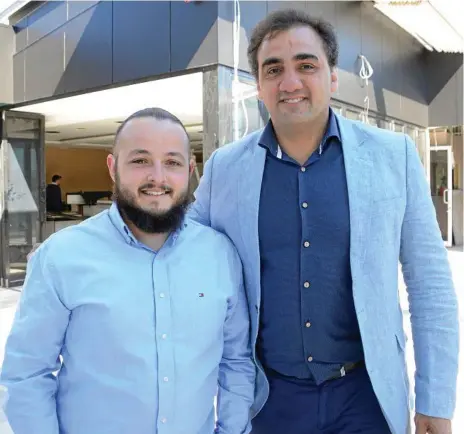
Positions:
(293, 100)
(155, 193)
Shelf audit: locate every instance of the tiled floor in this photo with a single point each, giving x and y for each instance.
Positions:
(8, 302)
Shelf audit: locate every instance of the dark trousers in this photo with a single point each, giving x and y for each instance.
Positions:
(346, 405)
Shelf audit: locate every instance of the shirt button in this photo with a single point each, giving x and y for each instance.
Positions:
(306, 284)
(164, 420)
(306, 244)
(164, 336)
(308, 324)
(165, 379)
(303, 169)
(310, 359)
(162, 295)
(304, 204)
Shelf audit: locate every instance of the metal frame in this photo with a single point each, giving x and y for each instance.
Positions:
(4, 165)
(448, 193)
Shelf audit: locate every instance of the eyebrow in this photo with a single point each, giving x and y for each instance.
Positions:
(177, 155)
(138, 152)
(300, 56)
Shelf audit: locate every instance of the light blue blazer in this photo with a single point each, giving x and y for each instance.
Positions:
(392, 218)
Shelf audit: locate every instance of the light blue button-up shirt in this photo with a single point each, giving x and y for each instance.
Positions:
(147, 338)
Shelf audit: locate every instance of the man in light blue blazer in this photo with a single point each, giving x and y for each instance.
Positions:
(321, 209)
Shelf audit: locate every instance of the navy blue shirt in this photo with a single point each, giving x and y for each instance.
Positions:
(308, 324)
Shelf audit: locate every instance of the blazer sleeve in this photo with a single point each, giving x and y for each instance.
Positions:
(432, 297)
(199, 210)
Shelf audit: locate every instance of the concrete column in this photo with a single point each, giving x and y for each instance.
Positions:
(217, 109)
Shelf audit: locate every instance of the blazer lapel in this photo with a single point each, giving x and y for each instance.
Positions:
(359, 172)
(249, 192)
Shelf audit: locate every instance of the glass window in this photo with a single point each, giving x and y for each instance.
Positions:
(251, 113)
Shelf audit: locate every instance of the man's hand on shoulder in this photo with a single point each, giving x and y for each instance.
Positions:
(432, 425)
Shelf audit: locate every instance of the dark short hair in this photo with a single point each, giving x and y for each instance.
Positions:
(287, 19)
(56, 178)
(154, 113)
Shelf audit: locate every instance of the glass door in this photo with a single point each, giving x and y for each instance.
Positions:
(22, 192)
(441, 185)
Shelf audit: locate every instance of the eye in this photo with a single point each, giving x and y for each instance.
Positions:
(173, 163)
(307, 67)
(273, 71)
(139, 161)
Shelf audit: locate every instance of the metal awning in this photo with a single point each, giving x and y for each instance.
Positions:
(437, 24)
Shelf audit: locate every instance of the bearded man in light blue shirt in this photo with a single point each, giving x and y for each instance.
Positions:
(140, 310)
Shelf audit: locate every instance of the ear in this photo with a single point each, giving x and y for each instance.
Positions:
(258, 88)
(192, 164)
(111, 163)
(334, 80)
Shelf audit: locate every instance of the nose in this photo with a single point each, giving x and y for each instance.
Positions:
(291, 82)
(157, 173)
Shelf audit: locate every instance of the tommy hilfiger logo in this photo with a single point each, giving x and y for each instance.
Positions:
(201, 294)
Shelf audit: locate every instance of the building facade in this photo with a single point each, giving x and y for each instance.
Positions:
(64, 59)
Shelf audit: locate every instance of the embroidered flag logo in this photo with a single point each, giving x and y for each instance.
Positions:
(201, 294)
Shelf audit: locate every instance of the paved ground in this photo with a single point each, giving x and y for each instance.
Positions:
(8, 301)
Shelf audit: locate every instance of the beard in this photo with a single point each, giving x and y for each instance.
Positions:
(150, 222)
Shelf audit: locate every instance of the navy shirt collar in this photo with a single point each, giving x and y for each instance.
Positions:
(268, 137)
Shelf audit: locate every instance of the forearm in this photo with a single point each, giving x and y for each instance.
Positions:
(432, 298)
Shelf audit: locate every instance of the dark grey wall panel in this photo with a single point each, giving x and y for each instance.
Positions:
(19, 70)
(46, 19)
(7, 44)
(322, 9)
(390, 84)
(413, 91)
(446, 108)
(194, 34)
(112, 42)
(21, 31)
(225, 34)
(44, 66)
(145, 52)
(88, 49)
(371, 48)
(350, 39)
(75, 7)
(276, 5)
(251, 12)
(444, 80)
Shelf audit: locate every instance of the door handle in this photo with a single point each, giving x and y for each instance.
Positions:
(445, 196)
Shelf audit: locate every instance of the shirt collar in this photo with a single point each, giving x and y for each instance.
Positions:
(268, 137)
(124, 230)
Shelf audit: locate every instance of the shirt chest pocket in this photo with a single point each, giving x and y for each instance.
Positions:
(201, 311)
